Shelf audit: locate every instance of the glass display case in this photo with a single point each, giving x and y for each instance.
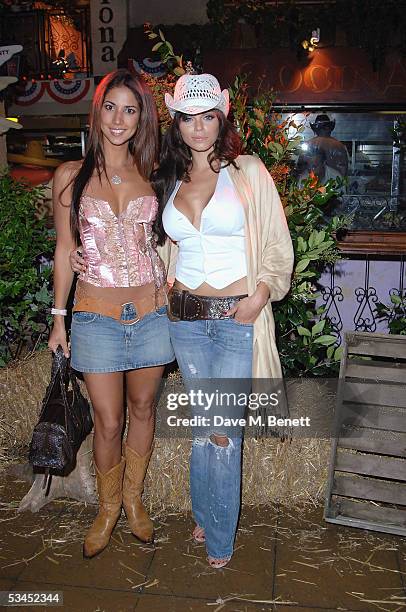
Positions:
(61, 144)
(373, 191)
(35, 151)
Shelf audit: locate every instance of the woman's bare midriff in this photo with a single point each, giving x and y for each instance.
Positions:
(239, 287)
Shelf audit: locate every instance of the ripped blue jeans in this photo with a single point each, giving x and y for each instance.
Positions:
(215, 349)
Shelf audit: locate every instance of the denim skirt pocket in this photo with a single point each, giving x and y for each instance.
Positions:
(84, 318)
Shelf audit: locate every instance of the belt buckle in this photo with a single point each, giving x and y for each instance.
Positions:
(171, 316)
(195, 299)
(130, 321)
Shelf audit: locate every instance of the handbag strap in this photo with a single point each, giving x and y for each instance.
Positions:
(62, 374)
(59, 362)
(58, 373)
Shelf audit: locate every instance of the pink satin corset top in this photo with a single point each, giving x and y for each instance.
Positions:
(119, 250)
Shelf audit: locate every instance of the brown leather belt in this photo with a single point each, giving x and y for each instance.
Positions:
(185, 306)
(142, 306)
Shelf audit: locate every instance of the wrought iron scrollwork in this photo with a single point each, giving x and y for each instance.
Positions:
(400, 291)
(364, 318)
(332, 295)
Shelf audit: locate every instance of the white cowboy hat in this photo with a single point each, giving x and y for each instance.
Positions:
(196, 93)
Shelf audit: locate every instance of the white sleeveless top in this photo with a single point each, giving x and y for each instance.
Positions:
(215, 253)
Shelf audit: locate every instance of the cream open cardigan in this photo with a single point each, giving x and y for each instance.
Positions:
(269, 254)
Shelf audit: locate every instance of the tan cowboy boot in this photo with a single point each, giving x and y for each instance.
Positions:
(110, 490)
(133, 486)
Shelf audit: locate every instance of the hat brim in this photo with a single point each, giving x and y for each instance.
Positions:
(33, 161)
(192, 107)
(324, 124)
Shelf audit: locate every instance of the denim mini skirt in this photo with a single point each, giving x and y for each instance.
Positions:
(103, 344)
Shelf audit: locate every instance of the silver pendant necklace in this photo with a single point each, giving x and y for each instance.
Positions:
(116, 180)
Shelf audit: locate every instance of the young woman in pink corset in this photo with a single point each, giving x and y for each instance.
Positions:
(119, 327)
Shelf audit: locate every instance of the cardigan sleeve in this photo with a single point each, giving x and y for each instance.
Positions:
(168, 253)
(276, 266)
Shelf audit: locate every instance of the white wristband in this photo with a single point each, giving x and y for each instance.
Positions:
(59, 311)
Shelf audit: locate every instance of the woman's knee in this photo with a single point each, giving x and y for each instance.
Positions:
(109, 427)
(219, 440)
(141, 408)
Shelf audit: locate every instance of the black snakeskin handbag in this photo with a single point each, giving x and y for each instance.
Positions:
(64, 422)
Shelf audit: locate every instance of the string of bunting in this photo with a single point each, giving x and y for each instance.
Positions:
(62, 91)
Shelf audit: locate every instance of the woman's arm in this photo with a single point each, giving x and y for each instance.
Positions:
(65, 242)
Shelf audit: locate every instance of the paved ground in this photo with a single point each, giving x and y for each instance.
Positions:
(284, 561)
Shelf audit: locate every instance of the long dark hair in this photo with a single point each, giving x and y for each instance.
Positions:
(143, 146)
(176, 161)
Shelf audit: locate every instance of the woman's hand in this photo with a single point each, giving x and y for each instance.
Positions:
(77, 263)
(58, 336)
(248, 309)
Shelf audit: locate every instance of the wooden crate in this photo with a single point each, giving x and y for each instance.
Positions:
(367, 477)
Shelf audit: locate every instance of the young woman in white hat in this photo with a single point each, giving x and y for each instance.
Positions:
(227, 227)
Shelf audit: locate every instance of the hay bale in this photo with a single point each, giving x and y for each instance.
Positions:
(22, 387)
(291, 473)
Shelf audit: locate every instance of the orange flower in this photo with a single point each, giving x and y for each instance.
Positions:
(314, 179)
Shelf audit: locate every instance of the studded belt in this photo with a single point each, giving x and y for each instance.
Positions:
(185, 306)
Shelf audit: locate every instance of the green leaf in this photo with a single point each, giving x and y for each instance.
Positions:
(308, 274)
(395, 299)
(326, 340)
(178, 71)
(318, 327)
(322, 247)
(301, 245)
(157, 46)
(338, 353)
(161, 36)
(330, 351)
(302, 265)
(278, 148)
(312, 239)
(302, 331)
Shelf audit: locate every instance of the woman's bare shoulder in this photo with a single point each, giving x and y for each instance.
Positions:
(67, 170)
